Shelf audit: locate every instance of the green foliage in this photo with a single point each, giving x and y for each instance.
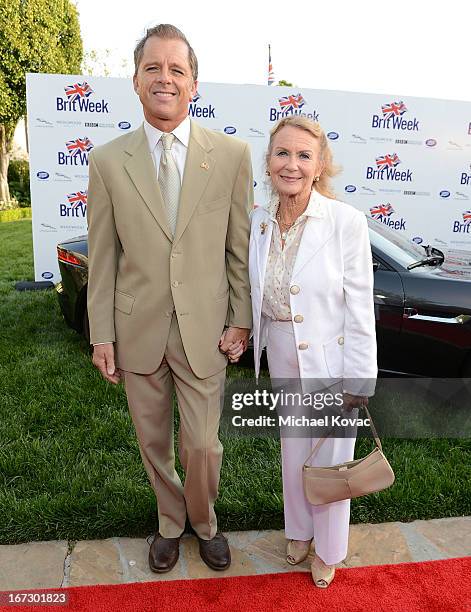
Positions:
(15, 214)
(285, 84)
(35, 36)
(18, 181)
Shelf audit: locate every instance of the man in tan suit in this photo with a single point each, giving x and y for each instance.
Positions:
(168, 290)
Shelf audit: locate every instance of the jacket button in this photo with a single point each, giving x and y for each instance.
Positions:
(302, 346)
(340, 340)
(294, 289)
(175, 284)
(298, 319)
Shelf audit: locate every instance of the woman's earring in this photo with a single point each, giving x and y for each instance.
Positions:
(316, 179)
(267, 172)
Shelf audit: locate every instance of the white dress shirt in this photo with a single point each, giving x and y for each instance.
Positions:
(179, 148)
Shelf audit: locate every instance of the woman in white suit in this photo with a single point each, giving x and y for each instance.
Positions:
(312, 299)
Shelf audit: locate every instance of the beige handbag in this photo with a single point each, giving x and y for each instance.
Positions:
(323, 485)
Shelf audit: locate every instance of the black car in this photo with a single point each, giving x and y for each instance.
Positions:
(422, 302)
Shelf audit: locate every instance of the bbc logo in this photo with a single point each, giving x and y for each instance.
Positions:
(469, 129)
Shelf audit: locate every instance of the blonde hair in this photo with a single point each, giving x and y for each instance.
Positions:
(169, 32)
(329, 170)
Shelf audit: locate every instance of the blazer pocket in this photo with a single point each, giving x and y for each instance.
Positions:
(123, 301)
(213, 205)
(333, 355)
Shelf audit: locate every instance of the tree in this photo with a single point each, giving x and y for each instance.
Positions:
(285, 83)
(35, 36)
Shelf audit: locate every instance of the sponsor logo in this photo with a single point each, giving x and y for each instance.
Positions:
(42, 175)
(78, 100)
(383, 213)
(47, 275)
(61, 177)
(367, 191)
(350, 188)
(254, 184)
(417, 239)
(444, 193)
(431, 142)
(386, 169)
(454, 146)
(46, 226)
(332, 135)
(463, 227)
(124, 125)
(77, 152)
(76, 205)
(406, 141)
(459, 195)
(43, 123)
(194, 110)
(358, 139)
(230, 130)
(291, 105)
(409, 192)
(391, 118)
(254, 132)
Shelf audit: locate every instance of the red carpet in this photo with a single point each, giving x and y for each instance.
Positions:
(431, 586)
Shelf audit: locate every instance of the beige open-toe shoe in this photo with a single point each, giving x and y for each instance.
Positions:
(322, 574)
(297, 554)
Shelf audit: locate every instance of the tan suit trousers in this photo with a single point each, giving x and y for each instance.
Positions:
(200, 451)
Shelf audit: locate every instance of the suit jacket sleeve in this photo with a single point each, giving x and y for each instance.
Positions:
(103, 250)
(360, 365)
(237, 246)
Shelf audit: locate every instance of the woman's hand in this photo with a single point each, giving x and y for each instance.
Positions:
(354, 401)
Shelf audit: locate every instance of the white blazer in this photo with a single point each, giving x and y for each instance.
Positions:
(331, 288)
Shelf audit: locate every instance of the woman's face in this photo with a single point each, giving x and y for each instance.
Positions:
(294, 162)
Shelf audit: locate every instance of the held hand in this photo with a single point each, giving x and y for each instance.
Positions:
(103, 359)
(354, 401)
(233, 342)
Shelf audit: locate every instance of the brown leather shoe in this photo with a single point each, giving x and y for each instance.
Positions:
(163, 554)
(215, 553)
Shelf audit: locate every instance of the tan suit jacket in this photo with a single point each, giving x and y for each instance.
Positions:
(138, 275)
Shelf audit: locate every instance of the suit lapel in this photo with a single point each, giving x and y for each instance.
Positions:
(199, 167)
(317, 231)
(141, 170)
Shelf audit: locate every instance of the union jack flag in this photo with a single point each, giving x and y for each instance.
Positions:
(395, 109)
(79, 145)
(271, 74)
(77, 199)
(78, 90)
(467, 217)
(290, 103)
(387, 161)
(382, 210)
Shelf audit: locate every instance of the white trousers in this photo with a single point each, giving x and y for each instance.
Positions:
(327, 524)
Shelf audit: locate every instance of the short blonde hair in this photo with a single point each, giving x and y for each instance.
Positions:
(329, 170)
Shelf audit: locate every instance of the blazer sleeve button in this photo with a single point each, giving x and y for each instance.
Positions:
(298, 319)
(340, 340)
(294, 290)
(302, 346)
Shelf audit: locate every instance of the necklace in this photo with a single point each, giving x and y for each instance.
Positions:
(284, 227)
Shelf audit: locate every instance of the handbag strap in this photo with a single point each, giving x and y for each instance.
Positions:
(372, 427)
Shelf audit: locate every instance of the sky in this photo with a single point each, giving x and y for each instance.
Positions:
(413, 48)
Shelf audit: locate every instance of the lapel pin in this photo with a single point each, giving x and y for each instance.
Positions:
(204, 165)
(263, 227)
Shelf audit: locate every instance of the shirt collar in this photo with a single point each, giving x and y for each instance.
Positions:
(315, 207)
(181, 132)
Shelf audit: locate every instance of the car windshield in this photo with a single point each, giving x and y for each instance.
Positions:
(394, 245)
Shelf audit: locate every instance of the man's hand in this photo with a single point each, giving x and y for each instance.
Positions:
(103, 359)
(354, 401)
(233, 342)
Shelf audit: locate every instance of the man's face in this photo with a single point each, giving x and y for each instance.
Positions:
(164, 82)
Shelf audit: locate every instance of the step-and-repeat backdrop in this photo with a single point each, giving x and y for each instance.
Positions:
(404, 161)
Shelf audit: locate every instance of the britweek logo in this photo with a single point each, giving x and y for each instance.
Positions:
(391, 118)
(383, 213)
(77, 152)
(77, 100)
(291, 105)
(201, 111)
(386, 169)
(465, 178)
(76, 205)
(463, 227)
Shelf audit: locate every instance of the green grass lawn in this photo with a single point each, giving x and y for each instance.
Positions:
(69, 461)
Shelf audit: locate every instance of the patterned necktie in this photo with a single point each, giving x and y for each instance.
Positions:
(169, 180)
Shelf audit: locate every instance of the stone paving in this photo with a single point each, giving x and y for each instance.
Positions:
(120, 560)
